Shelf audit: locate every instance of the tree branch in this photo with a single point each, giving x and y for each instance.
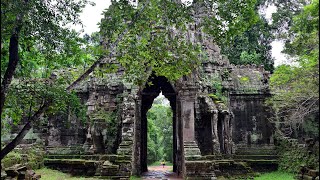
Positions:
(9, 147)
(111, 49)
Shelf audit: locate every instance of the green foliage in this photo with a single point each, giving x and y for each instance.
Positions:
(244, 79)
(40, 20)
(253, 58)
(160, 133)
(252, 46)
(50, 174)
(218, 96)
(296, 88)
(155, 39)
(146, 45)
(305, 28)
(11, 159)
(135, 178)
(276, 175)
(31, 157)
(282, 20)
(26, 96)
(291, 158)
(230, 19)
(46, 45)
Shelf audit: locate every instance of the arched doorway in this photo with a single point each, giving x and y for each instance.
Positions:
(147, 95)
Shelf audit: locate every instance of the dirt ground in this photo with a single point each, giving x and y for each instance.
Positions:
(159, 172)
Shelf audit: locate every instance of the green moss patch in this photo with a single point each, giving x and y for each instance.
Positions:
(49, 174)
(276, 175)
(244, 79)
(31, 157)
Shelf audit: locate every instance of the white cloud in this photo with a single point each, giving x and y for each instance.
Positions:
(281, 58)
(92, 15)
(277, 47)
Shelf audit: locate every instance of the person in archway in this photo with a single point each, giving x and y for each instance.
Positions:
(163, 163)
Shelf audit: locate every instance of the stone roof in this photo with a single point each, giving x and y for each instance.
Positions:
(249, 79)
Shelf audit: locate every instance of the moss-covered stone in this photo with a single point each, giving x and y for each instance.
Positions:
(11, 159)
(30, 156)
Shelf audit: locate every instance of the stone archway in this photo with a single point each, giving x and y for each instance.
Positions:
(144, 103)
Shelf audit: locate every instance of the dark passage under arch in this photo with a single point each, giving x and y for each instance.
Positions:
(148, 94)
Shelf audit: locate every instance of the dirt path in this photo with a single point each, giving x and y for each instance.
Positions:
(159, 172)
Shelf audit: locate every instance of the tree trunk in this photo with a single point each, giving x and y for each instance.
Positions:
(9, 147)
(13, 61)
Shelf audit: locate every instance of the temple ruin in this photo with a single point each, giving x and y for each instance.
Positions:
(210, 137)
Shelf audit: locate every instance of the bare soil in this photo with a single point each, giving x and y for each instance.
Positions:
(160, 172)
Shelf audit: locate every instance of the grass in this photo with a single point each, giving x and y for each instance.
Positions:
(276, 175)
(135, 178)
(50, 174)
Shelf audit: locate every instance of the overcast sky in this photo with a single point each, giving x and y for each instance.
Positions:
(92, 15)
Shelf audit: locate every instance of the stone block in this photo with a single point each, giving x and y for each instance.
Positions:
(313, 173)
(3, 174)
(16, 170)
(306, 177)
(31, 175)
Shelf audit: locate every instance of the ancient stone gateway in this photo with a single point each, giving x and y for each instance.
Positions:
(212, 136)
(182, 104)
(144, 103)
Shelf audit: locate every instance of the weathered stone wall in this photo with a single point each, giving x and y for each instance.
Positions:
(250, 122)
(249, 90)
(104, 115)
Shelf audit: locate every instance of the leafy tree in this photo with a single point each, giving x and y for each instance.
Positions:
(154, 148)
(157, 41)
(282, 19)
(34, 22)
(33, 43)
(296, 88)
(253, 45)
(160, 133)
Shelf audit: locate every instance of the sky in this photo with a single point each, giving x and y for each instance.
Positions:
(92, 15)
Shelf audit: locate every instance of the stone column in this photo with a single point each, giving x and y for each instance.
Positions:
(136, 165)
(129, 116)
(187, 111)
(191, 150)
(214, 127)
(227, 135)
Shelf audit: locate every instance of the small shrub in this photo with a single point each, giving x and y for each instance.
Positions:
(292, 158)
(32, 157)
(11, 159)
